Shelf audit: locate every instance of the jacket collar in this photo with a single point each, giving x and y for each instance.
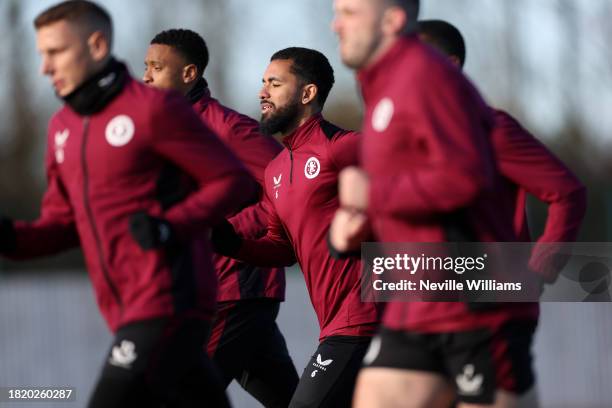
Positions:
(303, 133)
(99, 90)
(372, 77)
(199, 94)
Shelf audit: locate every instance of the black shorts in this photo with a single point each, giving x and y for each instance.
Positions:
(159, 362)
(246, 345)
(476, 362)
(329, 377)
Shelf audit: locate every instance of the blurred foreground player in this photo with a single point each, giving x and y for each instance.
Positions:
(245, 344)
(146, 248)
(301, 198)
(428, 171)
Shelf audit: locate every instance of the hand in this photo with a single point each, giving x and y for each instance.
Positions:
(353, 189)
(225, 240)
(548, 260)
(150, 232)
(348, 230)
(7, 235)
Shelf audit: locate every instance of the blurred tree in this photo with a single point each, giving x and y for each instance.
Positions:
(20, 187)
(514, 64)
(214, 17)
(571, 58)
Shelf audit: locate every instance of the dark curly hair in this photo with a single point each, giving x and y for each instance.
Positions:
(311, 67)
(188, 43)
(445, 37)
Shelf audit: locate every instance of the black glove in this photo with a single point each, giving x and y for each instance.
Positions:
(150, 232)
(225, 240)
(8, 237)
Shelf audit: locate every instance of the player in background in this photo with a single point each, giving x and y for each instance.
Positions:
(246, 343)
(301, 197)
(526, 164)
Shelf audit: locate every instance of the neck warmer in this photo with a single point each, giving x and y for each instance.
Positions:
(197, 92)
(99, 90)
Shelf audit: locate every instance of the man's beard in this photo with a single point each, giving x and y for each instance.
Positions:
(282, 119)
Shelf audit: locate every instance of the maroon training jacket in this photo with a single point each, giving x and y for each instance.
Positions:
(301, 199)
(427, 150)
(529, 167)
(124, 159)
(238, 280)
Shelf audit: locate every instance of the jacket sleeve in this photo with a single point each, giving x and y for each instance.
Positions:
(55, 230)
(253, 148)
(274, 249)
(345, 149)
(530, 165)
(224, 184)
(251, 222)
(448, 116)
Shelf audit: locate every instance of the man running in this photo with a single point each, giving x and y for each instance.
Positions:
(301, 197)
(110, 148)
(428, 175)
(526, 164)
(245, 344)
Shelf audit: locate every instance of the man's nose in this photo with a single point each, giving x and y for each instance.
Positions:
(263, 93)
(335, 26)
(146, 76)
(46, 67)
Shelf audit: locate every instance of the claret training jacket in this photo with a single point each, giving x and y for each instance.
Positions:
(130, 157)
(239, 280)
(301, 199)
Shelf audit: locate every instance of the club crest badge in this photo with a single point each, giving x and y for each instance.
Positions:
(120, 131)
(312, 168)
(381, 117)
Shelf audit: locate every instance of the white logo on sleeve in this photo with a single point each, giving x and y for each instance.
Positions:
(123, 355)
(120, 130)
(468, 382)
(60, 143)
(312, 168)
(277, 184)
(381, 117)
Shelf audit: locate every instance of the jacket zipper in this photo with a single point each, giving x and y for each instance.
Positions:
(291, 168)
(90, 217)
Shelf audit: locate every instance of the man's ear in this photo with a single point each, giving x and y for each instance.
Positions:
(98, 46)
(394, 21)
(455, 61)
(309, 93)
(190, 73)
